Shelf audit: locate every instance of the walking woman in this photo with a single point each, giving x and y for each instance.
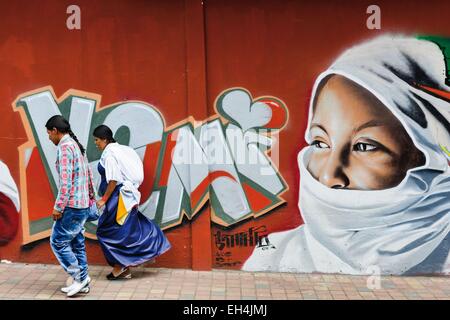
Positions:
(126, 236)
(71, 209)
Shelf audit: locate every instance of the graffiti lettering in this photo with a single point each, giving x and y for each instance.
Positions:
(253, 237)
(224, 259)
(223, 159)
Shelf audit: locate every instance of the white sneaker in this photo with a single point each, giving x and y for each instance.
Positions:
(70, 280)
(78, 287)
(84, 290)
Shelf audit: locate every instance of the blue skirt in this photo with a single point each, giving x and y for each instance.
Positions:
(137, 241)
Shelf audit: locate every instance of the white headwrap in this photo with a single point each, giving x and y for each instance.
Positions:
(396, 230)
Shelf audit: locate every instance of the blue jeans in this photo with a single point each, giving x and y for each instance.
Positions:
(94, 213)
(67, 242)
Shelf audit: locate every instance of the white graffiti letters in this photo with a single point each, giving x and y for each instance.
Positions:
(223, 159)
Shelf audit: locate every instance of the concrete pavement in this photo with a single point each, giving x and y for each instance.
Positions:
(39, 281)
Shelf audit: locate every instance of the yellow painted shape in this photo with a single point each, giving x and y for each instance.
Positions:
(122, 213)
(445, 150)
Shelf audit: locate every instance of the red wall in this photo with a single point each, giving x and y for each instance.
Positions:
(179, 56)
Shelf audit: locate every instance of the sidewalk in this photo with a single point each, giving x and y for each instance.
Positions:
(37, 281)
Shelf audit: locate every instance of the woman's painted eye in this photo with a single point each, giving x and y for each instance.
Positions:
(364, 147)
(319, 144)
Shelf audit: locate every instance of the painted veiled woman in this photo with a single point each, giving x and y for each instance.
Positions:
(126, 236)
(9, 205)
(375, 177)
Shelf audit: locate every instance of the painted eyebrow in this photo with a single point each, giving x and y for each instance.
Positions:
(369, 124)
(316, 125)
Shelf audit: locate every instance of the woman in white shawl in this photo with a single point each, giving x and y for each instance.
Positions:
(127, 237)
(9, 205)
(375, 178)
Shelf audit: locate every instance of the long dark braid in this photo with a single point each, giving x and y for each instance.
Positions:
(74, 137)
(62, 125)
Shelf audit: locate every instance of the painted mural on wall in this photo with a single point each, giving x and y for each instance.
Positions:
(230, 243)
(9, 205)
(375, 177)
(225, 159)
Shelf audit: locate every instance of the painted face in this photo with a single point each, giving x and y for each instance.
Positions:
(100, 143)
(53, 136)
(357, 142)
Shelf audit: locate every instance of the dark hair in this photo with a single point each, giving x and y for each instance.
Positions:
(62, 125)
(104, 132)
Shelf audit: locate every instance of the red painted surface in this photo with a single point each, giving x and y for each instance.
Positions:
(151, 154)
(8, 219)
(279, 48)
(125, 50)
(40, 203)
(197, 107)
(179, 56)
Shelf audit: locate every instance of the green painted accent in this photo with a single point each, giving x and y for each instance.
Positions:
(261, 146)
(215, 204)
(160, 161)
(45, 224)
(65, 107)
(122, 135)
(218, 210)
(201, 198)
(39, 147)
(197, 132)
(98, 118)
(444, 45)
(274, 200)
(261, 189)
(41, 225)
(186, 204)
(227, 143)
(263, 149)
(160, 207)
(220, 108)
(90, 228)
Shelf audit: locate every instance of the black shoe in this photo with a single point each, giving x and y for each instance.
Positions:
(125, 274)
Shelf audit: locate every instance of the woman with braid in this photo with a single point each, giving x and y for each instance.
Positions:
(71, 209)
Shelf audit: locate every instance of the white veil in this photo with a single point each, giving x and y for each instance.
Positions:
(395, 230)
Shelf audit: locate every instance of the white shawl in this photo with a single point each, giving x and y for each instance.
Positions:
(404, 229)
(122, 164)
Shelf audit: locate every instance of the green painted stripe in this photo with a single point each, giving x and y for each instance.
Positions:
(443, 44)
(41, 225)
(53, 186)
(160, 207)
(45, 224)
(218, 210)
(90, 228)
